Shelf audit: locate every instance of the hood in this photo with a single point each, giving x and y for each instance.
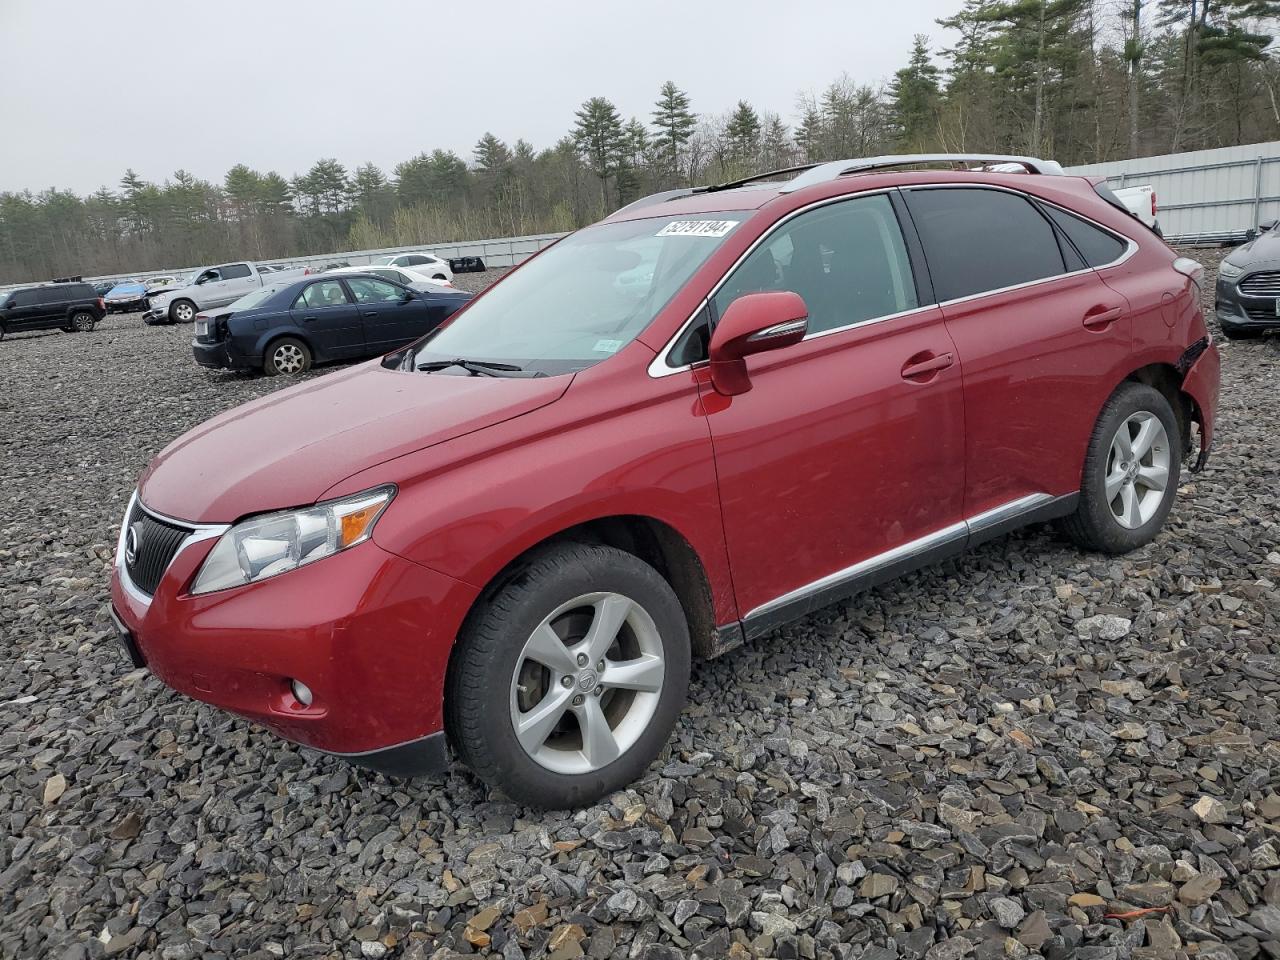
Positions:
(287, 449)
(126, 290)
(1264, 248)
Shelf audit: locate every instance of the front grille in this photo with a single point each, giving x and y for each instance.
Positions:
(1265, 284)
(150, 545)
(1262, 313)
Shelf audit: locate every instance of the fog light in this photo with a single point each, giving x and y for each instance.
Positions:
(302, 693)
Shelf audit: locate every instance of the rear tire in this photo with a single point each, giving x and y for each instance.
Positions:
(182, 311)
(1131, 472)
(287, 356)
(567, 679)
(82, 321)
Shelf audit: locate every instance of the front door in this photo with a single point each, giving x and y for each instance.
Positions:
(388, 318)
(844, 463)
(1044, 341)
(329, 321)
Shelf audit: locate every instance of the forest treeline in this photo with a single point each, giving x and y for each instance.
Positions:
(1075, 80)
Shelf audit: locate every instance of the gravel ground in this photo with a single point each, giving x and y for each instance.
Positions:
(987, 759)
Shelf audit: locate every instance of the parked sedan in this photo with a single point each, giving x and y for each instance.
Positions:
(286, 327)
(427, 264)
(127, 296)
(1247, 300)
(401, 275)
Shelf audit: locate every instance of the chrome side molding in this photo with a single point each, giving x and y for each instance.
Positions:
(932, 548)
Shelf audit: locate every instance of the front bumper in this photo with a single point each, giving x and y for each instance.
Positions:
(156, 315)
(1238, 310)
(366, 630)
(126, 306)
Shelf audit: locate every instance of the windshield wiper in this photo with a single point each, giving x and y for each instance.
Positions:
(482, 368)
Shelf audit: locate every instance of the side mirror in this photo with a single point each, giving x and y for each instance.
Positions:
(406, 296)
(754, 323)
(1268, 225)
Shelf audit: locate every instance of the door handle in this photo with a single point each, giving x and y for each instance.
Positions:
(371, 313)
(1102, 319)
(308, 319)
(922, 367)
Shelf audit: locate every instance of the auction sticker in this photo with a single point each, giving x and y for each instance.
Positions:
(697, 228)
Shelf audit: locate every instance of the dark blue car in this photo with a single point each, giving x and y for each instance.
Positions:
(288, 326)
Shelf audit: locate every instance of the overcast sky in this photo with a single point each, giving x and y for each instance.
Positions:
(91, 88)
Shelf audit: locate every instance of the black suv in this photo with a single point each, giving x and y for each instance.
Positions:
(73, 307)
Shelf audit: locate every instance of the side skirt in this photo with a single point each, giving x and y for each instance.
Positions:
(934, 548)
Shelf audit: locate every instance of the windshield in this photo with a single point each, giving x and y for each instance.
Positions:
(251, 300)
(584, 299)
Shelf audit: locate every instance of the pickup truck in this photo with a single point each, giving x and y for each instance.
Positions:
(211, 287)
(1141, 202)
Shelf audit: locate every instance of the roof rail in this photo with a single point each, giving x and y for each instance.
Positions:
(825, 172)
(729, 185)
(665, 195)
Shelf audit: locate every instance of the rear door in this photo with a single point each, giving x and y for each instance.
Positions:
(329, 320)
(1042, 340)
(237, 280)
(388, 318)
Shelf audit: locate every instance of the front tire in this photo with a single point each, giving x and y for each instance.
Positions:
(182, 311)
(287, 356)
(82, 321)
(567, 680)
(1131, 472)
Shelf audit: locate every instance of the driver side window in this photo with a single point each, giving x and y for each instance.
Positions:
(847, 260)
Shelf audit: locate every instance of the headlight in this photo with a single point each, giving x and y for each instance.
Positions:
(275, 543)
(1229, 271)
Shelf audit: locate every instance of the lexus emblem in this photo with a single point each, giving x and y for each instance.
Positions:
(131, 540)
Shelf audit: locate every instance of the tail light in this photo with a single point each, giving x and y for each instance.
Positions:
(1153, 204)
(1192, 269)
(102, 304)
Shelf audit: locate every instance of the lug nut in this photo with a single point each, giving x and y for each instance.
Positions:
(600, 667)
(599, 690)
(582, 659)
(577, 701)
(566, 681)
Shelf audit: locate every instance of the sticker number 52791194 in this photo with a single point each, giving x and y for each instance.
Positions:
(697, 228)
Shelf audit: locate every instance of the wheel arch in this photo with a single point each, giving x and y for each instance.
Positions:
(269, 337)
(647, 538)
(1165, 378)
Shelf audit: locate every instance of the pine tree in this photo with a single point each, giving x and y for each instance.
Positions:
(675, 124)
(599, 138)
(491, 155)
(915, 97)
(743, 132)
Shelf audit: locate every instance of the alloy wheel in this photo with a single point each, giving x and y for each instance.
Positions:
(587, 683)
(287, 358)
(1137, 469)
(184, 312)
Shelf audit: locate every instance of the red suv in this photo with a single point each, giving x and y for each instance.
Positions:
(713, 412)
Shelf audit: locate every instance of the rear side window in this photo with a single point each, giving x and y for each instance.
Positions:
(326, 293)
(979, 240)
(847, 260)
(53, 295)
(1097, 246)
(234, 271)
(80, 291)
